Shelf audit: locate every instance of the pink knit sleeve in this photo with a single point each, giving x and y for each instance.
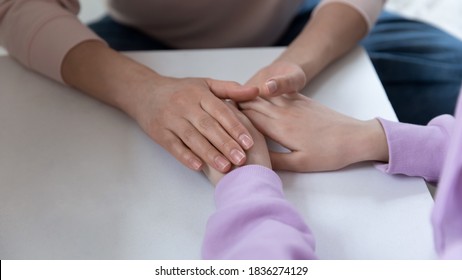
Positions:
(40, 33)
(369, 9)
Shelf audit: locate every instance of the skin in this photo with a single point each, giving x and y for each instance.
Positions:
(332, 31)
(319, 139)
(292, 120)
(186, 116)
(258, 154)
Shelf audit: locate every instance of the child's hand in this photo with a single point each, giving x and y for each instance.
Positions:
(319, 138)
(258, 154)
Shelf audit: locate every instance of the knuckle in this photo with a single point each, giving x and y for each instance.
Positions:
(236, 128)
(207, 122)
(185, 156)
(173, 145)
(211, 153)
(189, 134)
(227, 145)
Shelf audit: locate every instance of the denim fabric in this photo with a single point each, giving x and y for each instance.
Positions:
(125, 38)
(419, 65)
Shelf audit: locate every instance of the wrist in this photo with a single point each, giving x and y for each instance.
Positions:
(311, 58)
(107, 75)
(372, 142)
(331, 32)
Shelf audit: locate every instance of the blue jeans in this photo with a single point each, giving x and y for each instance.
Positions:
(419, 65)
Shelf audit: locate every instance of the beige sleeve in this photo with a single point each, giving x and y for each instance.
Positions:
(40, 33)
(369, 9)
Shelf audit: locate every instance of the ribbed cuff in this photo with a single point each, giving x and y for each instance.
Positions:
(247, 181)
(416, 150)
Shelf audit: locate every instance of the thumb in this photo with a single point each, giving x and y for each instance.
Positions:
(232, 90)
(289, 83)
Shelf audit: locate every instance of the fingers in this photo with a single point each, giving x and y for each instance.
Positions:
(212, 174)
(265, 124)
(177, 148)
(229, 121)
(259, 104)
(215, 134)
(244, 120)
(232, 90)
(212, 142)
(187, 139)
(212, 130)
(259, 153)
(198, 137)
(289, 83)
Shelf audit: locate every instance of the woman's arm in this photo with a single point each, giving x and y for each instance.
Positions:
(40, 33)
(335, 27)
(185, 116)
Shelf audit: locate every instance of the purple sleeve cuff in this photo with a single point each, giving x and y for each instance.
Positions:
(253, 220)
(241, 182)
(416, 150)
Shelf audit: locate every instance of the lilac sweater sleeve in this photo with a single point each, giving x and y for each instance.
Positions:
(40, 33)
(416, 150)
(435, 153)
(253, 220)
(447, 213)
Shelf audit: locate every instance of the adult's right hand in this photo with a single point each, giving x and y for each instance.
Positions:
(258, 154)
(186, 116)
(189, 119)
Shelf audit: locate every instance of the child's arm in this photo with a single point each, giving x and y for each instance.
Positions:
(322, 139)
(253, 220)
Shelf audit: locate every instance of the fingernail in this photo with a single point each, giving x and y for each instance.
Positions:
(237, 156)
(221, 162)
(196, 165)
(272, 86)
(246, 141)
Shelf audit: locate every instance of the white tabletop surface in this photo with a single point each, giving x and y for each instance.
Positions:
(80, 180)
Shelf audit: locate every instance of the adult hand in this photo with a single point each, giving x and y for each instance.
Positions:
(318, 138)
(187, 117)
(258, 154)
(278, 78)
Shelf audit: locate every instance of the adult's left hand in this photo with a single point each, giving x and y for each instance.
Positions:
(278, 78)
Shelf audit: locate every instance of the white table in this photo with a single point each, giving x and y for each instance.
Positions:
(80, 180)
